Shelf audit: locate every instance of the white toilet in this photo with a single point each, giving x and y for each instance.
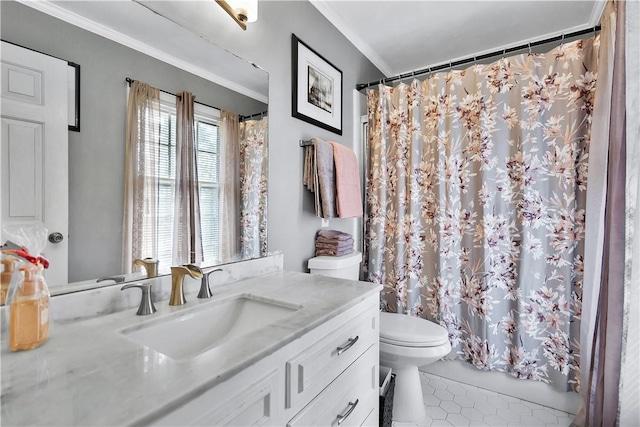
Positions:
(406, 342)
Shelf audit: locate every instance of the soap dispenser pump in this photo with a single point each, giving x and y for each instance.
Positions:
(8, 268)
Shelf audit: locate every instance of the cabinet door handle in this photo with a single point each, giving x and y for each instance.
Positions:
(352, 406)
(347, 346)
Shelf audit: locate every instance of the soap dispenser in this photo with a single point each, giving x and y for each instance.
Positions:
(29, 312)
(8, 268)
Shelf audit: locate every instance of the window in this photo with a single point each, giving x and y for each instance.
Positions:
(208, 149)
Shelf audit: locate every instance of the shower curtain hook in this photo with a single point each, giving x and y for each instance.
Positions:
(450, 67)
(504, 52)
(530, 53)
(562, 40)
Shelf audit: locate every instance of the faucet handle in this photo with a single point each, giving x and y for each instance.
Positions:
(117, 279)
(146, 304)
(205, 292)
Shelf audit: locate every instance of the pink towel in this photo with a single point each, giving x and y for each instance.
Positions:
(348, 195)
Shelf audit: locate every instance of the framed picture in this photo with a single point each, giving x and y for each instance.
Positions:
(317, 88)
(73, 90)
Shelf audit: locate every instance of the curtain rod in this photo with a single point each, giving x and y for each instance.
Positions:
(502, 52)
(252, 116)
(129, 80)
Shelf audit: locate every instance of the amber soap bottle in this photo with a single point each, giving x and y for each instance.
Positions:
(29, 318)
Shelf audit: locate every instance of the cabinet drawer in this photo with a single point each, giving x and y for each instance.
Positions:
(238, 402)
(349, 400)
(311, 370)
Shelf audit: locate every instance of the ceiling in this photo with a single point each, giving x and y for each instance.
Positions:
(136, 25)
(397, 36)
(402, 36)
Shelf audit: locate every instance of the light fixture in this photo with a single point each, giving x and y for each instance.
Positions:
(242, 11)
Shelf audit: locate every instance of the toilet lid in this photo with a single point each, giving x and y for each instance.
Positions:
(410, 331)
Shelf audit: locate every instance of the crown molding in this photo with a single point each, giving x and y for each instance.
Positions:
(355, 40)
(56, 11)
(596, 13)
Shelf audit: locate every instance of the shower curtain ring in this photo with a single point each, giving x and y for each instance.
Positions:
(562, 40)
(530, 48)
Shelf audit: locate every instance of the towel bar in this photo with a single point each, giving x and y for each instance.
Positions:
(304, 143)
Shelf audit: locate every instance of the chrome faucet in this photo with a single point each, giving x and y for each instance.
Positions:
(177, 279)
(205, 292)
(149, 264)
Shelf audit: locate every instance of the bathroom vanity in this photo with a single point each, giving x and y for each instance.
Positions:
(279, 348)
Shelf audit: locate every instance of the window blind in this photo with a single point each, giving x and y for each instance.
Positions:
(159, 240)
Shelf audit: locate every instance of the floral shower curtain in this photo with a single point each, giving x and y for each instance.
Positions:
(254, 161)
(476, 202)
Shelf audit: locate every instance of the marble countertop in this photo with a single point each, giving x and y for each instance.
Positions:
(88, 373)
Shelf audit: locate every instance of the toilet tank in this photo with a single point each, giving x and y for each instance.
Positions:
(343, 267)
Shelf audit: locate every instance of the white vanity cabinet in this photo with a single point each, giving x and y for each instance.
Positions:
(328, 376)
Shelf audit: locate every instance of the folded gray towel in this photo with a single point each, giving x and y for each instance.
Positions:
(327, 241)
(334, 234)
(333, 252)
(345, 245)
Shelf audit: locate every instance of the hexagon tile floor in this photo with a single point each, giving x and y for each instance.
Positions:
(449, 403)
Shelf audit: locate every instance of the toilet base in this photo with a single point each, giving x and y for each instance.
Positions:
(408, 405)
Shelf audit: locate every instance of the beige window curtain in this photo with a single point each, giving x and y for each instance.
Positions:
(630, 377)
(603, 316)
(230, 185)
(187, 244)
(140, 186)
(254, 162)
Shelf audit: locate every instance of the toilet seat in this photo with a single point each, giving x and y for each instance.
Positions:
(410, 331)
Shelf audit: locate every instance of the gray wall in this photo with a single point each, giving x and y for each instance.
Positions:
(267, 42)
(96, 153)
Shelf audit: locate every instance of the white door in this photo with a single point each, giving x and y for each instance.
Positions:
(34, 154)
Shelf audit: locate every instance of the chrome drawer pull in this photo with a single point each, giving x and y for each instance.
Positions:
(352, 341)
(352, 406)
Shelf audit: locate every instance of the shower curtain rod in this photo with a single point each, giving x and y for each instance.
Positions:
(502, 52)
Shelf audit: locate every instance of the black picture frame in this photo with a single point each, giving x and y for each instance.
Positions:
(73, 89)
(316, 88)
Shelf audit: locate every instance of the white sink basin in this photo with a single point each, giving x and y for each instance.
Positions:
(192, 331)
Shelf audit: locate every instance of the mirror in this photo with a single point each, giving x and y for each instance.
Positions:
(147, 47)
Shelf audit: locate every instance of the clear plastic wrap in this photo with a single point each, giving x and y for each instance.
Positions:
(26, 291)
